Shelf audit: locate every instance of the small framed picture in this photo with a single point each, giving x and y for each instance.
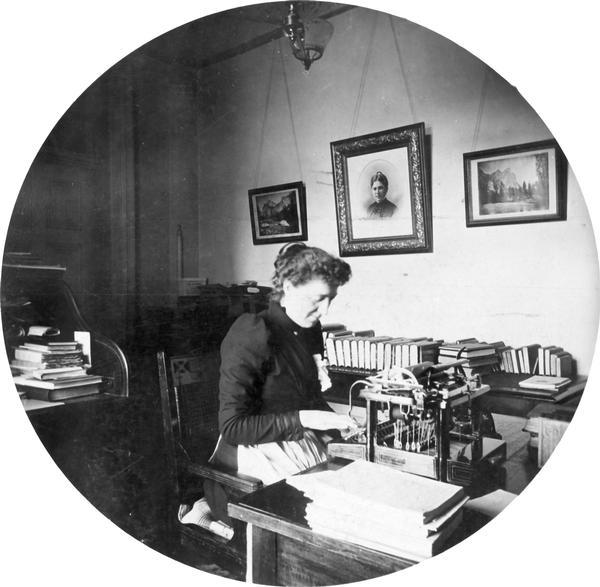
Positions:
(381, 193)
(521, 183)
(278, 213)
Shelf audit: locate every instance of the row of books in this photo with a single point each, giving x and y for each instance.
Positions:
(364, 351)
(48, 369)
(537, 360)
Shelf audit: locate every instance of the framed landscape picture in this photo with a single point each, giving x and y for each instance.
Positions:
(278, 213)
(521, 183)
(381, 193)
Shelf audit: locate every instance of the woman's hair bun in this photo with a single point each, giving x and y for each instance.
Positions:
(288, 251)
(298, 263)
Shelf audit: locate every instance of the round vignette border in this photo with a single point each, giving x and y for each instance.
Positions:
(580, 127)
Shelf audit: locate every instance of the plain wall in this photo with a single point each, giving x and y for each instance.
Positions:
(519, 283)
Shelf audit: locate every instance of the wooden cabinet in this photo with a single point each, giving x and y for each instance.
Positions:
(98, 442)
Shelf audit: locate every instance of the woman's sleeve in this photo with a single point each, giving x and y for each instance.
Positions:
(244, 361)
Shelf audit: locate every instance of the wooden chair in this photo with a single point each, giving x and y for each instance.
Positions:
(189, 405)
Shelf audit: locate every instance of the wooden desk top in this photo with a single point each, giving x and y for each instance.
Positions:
(280, 508)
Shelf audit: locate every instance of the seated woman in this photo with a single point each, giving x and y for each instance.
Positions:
(272, 415)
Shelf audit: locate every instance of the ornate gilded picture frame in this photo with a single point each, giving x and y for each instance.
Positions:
(382, 197)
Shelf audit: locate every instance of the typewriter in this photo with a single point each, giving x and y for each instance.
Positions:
(427, 420)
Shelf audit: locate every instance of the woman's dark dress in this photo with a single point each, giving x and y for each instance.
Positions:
(268, 374)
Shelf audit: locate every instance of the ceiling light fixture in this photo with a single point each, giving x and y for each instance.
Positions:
(308, 39)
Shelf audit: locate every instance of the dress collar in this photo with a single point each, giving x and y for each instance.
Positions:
(280, 317)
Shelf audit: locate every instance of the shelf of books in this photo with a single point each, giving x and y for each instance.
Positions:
(533, 371)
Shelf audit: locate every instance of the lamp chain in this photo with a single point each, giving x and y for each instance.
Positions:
(363, 79)
(289, 101)
(411, 102)
(484, 87)
(264, 124)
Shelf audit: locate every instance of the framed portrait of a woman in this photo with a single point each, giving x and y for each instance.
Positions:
(381, 191)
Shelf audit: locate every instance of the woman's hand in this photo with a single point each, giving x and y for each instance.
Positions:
(325, 420)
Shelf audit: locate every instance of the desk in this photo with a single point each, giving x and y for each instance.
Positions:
(505, 395)
(283, 550)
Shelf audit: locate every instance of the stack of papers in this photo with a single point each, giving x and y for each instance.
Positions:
(382, 508)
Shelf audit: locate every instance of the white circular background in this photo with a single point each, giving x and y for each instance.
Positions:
(52, 51)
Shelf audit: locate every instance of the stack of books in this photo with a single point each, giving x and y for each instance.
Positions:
(549, 386)
(481, 357)
(52, 370)
(382, 508)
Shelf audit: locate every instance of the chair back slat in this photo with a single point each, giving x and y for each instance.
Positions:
(196, 379)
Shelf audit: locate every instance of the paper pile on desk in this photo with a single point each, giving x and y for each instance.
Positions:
(382, 508)
(491, 504)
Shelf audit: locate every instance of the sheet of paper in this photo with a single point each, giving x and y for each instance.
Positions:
(84, 339)
(492, 503)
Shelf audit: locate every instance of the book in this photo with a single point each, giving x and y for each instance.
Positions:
(337, 333)
(332, 327)
(388, 493)
(50, 372)
(328, 329)
(371, 346)
(531, 354)
(342, 353)
(564, 364)
(543, 359)
(548, 352)
(514, 361)
(540, 361)
(35, 356)
(55, 384)
(52, 347)
(505, 359)
(390, 352)
(480, 361)
(330, 351)
(44, 331)
(555, 356)
(423, 351)
(54, 395)
(544, 382)
(363, 333)
(467, 350)
(354, 362)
